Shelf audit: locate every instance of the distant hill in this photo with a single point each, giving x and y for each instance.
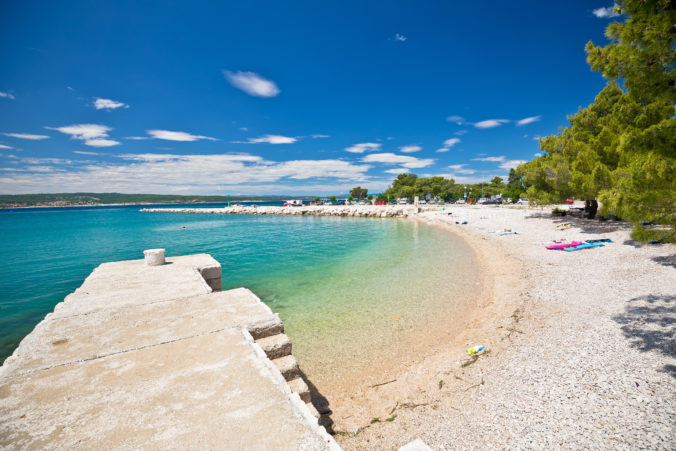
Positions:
(77, 199)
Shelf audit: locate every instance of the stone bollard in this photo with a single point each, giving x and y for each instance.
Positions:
(154, 257)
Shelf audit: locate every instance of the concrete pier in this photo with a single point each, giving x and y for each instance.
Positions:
(157, 357)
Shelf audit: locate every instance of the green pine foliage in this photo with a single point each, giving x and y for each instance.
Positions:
(621, 149)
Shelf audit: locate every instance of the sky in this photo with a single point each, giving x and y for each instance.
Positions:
(269, 97)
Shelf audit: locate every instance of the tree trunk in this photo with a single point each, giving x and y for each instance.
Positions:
(590, 208)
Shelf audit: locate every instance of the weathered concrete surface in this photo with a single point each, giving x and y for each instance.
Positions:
(150, 357)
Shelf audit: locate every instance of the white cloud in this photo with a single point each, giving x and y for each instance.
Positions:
(460, 132)
(137, 138)
(270, 139)
(101, 142)
(510, 164)
(537, 138)
(252, 83)
(92, 134)
(363, 147)
(320, 136)
(2, 146)
(537, 154)
(493, 159)
(410, 149)
(193, 174)
(528, 120)
(460, 169)
(448, 144)
(404, 160)
(400, 37)
(244, 129)
(107, 104)
(169, 135)
(82, 152)
(398, 171)
(7, 95)
(26, 136)
(603, 13)
(490, 123)
(457, 119)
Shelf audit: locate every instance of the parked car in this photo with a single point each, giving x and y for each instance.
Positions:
(422, 202)
(362, 202)
(492, 202)
(460, 201)
(568, 201)
(522, 202)
(381, 202)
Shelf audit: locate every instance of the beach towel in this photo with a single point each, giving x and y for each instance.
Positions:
(600, 240)
(583, 246)
(564, 246)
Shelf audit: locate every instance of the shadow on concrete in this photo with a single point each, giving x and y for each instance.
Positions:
(649, 323)
(321, 404)
(666, 260)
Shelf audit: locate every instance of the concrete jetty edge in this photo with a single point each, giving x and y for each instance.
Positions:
(158, 356)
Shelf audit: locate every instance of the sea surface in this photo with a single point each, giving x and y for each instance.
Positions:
(349, 290)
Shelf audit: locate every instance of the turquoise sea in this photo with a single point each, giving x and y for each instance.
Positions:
(343, 286)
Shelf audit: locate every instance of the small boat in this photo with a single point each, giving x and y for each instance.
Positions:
(293, 203)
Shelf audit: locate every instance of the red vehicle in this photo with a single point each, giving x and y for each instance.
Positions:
(381, 202)
(568, 201)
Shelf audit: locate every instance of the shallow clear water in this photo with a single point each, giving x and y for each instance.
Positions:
(343, 286)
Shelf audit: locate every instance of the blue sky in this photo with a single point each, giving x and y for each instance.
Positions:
(283, 97)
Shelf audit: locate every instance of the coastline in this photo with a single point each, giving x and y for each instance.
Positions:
(580, 346)
(487, 320)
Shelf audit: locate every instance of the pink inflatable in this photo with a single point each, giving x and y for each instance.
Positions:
(563, 246)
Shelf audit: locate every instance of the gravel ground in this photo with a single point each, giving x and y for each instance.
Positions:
(587, 360)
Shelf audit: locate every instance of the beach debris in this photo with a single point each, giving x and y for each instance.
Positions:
(481, 382)
(396, 318)
(564, 226)
(383, 383)
(464, 222)
(475, 350)
(441, 384)
(508, 233)
(600, 240)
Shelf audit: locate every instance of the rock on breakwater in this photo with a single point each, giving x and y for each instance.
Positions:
(373, 211)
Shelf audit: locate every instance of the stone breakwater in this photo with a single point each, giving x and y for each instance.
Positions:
(372, 211)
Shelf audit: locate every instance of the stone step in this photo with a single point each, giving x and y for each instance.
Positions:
(313, 410)
(275, 346)
(299, 386)
(288, 366)
(266, 328)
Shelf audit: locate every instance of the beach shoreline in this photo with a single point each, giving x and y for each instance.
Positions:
(579, 345)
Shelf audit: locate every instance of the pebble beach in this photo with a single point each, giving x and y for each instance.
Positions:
(579, 346)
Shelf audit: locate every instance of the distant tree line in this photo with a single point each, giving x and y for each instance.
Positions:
(410, 185)
(114, 198)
